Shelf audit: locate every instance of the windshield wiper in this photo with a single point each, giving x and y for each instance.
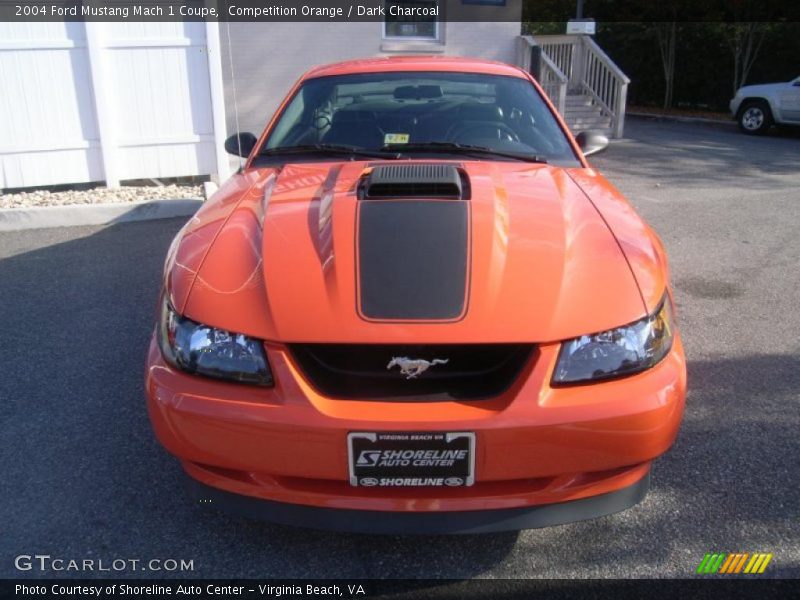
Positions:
(332, 149)
(456, 148)
(396, 150)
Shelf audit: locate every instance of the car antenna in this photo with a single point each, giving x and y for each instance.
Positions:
(233, 87)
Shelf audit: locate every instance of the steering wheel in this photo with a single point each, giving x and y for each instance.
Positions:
(321, 120)
(497, 130)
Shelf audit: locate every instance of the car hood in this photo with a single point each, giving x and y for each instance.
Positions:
(285, 261)
(764, 88)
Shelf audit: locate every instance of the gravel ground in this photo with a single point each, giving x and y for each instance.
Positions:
(83, 476)
(99, 195)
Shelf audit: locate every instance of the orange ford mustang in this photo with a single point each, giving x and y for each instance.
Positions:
(417, 308)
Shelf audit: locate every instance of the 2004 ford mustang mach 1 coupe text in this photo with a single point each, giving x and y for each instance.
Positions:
(417, 308)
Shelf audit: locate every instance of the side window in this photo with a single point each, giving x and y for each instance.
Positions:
(412, 20)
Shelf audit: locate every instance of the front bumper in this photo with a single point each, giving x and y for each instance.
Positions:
(536, 445)
(427, 523)
(734, 106)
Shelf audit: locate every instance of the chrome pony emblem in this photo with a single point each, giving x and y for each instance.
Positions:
(413, 367)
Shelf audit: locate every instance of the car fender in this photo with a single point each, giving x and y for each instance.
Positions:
(640, 244)
(191, 245)
(770, 93)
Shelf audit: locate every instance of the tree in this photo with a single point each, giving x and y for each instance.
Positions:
(666, 33)
(746, 29)
(745, 41)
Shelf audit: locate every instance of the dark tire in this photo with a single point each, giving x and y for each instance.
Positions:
(755, 117)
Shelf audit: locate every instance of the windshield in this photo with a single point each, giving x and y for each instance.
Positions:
(421, 112)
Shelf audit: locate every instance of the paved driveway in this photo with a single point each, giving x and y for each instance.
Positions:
(84, 478)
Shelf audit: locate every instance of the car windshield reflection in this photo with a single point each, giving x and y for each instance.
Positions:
(425, 113)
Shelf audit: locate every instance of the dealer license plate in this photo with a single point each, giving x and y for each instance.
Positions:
(411, 459)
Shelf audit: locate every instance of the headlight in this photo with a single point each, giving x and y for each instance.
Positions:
(622, 351)
(197, 348)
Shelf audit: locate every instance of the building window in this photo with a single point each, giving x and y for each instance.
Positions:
(412, 20)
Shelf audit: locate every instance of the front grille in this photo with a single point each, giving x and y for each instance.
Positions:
(359, 371)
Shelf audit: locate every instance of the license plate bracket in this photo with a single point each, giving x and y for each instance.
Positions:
(411, 458)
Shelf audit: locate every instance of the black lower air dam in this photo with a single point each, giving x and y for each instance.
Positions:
(413, 259)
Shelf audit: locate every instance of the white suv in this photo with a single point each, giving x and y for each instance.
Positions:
(757, 107)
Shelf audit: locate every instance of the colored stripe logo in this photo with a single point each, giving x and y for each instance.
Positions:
(738, 562)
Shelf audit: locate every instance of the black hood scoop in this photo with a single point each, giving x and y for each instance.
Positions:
(413, 243)
(423, 181)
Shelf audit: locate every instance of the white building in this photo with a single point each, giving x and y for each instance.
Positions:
(111, 102)
(94, 102)
(267, 60)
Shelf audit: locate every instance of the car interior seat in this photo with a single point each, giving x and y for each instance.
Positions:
(354, 128)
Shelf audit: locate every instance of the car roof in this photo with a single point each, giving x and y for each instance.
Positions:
(386, 64)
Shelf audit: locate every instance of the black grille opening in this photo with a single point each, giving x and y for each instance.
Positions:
(414, 181)
(359, 371)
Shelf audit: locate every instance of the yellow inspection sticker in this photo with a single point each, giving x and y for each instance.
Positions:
(395, 138)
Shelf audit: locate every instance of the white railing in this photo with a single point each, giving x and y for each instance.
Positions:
(551, 78)
(589, 71)
(561, 49)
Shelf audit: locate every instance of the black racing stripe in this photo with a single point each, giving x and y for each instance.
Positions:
(413, 258)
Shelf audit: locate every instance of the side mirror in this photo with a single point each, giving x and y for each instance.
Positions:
(241, 144)
(591, 142)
